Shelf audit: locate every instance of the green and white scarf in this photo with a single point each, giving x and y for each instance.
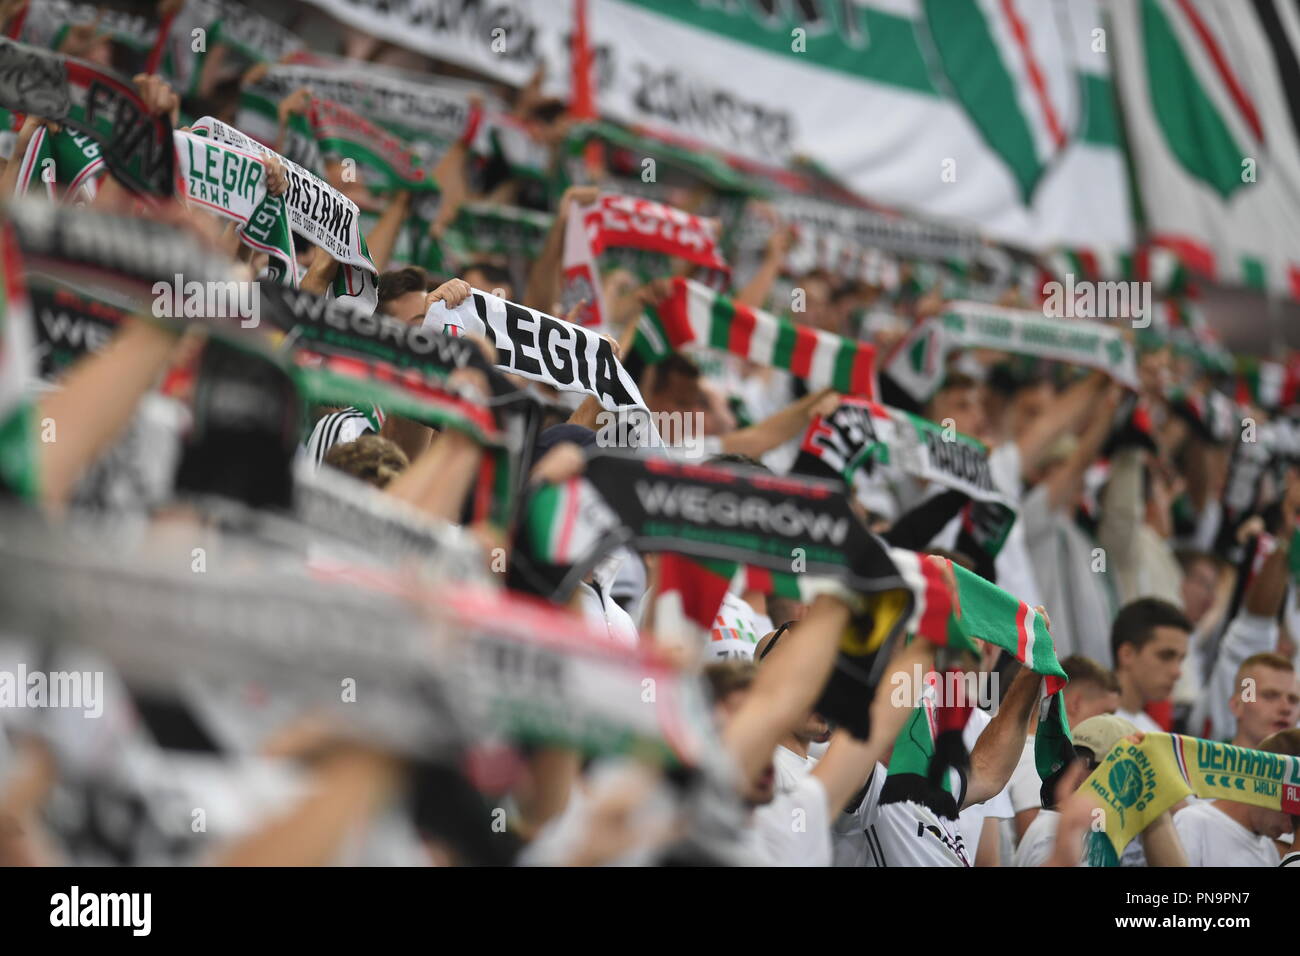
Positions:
(919, 362)
(319, 213)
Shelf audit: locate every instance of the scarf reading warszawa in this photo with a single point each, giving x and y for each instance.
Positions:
(137, 147)
(318, 212)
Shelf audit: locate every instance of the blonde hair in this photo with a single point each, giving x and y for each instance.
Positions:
(372, 458)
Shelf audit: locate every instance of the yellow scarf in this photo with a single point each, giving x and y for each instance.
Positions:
(1136, 783)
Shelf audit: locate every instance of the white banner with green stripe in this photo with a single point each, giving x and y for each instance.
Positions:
(1211, 95)
(990, 113)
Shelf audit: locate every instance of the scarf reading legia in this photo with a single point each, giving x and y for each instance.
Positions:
(696, 315)
(1135, 783)
(615, 221)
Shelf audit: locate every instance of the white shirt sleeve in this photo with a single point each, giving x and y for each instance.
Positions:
(1025, 786)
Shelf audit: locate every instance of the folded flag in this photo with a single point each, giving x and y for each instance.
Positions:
(695, 315)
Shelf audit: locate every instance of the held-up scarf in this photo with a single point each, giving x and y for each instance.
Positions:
(318, 212)
(919, 362)
(119, 258)
(696, 315)
(387, 162)
(69, 326)
(69, 159)
(860, 433)
(717, 517)
(231, 183)
(415, 109)
(535, 674)
(137, 147)
(342, 354)
(17, 432)
(630, 222)
(985, 611)
(543, 348)
(1135, 783)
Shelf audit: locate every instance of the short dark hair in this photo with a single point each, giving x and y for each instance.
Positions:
(1136, 623)
(398, 282)
(497, 276)
(675, 363)
(1084, 670)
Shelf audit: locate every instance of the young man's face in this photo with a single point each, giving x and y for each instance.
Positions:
(964, 406)
(409, 307)
(677, 393)
(1157, 666)
(1276, 703)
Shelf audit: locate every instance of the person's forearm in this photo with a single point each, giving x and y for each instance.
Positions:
(585, 414)
(320, 272)
(1265, 594)
(1161, 844)
(757, 289)
(348, 788)
(383, 237)
(98, 397)
(453, 463)
(1065, 485)
(1064, 415)
(410, 436)
(997, 752)
(777, 429)
(542, 289)
(787, 686)
(449, 174)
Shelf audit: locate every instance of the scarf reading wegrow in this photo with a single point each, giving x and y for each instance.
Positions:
(717, 518)
(1135, 783)
(696, 315)
(137, 147)
(918, 364)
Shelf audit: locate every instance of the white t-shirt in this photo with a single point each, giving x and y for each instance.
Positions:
(794, 829)
(1212, 838)
(1035, 847)
(897, 834)
(971, 820)
(1026, 786)
(1141, 720)
(790, 768)
(1291, 859)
